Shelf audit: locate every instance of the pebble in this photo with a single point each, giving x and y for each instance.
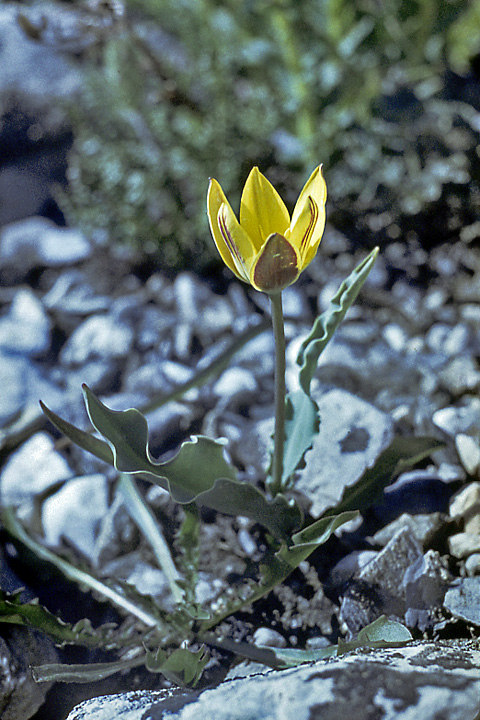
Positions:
(425, 583)
(464, 418)
(463, 599)
(465, 505)
(472, 565)
(98, 337)
(26, 329)
(463, 544)
(28, 244)
(468, 449)
(422, 527)
(269, 638)
(235, 381)
(38, 465)
(74, 513)
(13, 391)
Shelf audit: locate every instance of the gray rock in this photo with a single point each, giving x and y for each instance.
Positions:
(425, 583)
(72, 295)
(26, 328)
(74, 513)
(377, 588)
(33, 468)
(32, 68)
(20, 695)
(13, 391)
(235, 382)
(468, 449)
(100, 337)
(472, 565)
(418, 681)
(463, 600)
(38, 242)
(462, 419)
(352, 435)
(465, 505)
(463, 544)
(422, 527)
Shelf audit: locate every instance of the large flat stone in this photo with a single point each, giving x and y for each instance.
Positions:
(425, 680)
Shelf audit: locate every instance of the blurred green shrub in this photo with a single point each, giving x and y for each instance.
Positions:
(180, 90)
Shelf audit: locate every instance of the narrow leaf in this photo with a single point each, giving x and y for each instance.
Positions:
(91, 672)
(401, 454)
(301, 426)
(83, 439)
(326, 324)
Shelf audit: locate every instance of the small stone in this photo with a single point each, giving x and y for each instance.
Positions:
(468, 449)
(466, 505)
(37, 242)
(234, 382)
(269, 638)
(461, 375)
(26, 327)
(425, 583)
(462, 419)
(33, 468)
(75, 513)
(464, 544)
(13, 370)
(448, 340)
(463, 600)
(472, 565)
(422, 527)
(98, 337)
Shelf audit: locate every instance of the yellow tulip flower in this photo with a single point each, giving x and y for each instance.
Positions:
(266, 248)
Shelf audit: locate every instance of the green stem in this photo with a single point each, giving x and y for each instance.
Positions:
(275, 482)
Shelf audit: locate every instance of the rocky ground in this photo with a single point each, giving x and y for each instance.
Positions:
(406, 362)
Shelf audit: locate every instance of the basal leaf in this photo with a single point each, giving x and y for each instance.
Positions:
(301, 426)
(326, 324)
(82, 673)
(198, 473)
(33, 615)
(384, 630)
(182, 667)
(401, 454)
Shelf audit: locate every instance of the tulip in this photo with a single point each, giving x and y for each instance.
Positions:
(267, 248)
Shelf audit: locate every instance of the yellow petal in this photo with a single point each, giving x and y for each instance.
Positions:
(276, 265)
(232, 242)
(262, 210)
(308, 219)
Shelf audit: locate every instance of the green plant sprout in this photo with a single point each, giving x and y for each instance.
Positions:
(269, 250)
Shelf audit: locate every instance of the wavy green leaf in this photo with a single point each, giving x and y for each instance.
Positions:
(326, 324)
(34, 615)
(198, 472)
(182, 667)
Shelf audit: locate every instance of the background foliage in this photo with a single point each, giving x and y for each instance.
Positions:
(180, 90)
